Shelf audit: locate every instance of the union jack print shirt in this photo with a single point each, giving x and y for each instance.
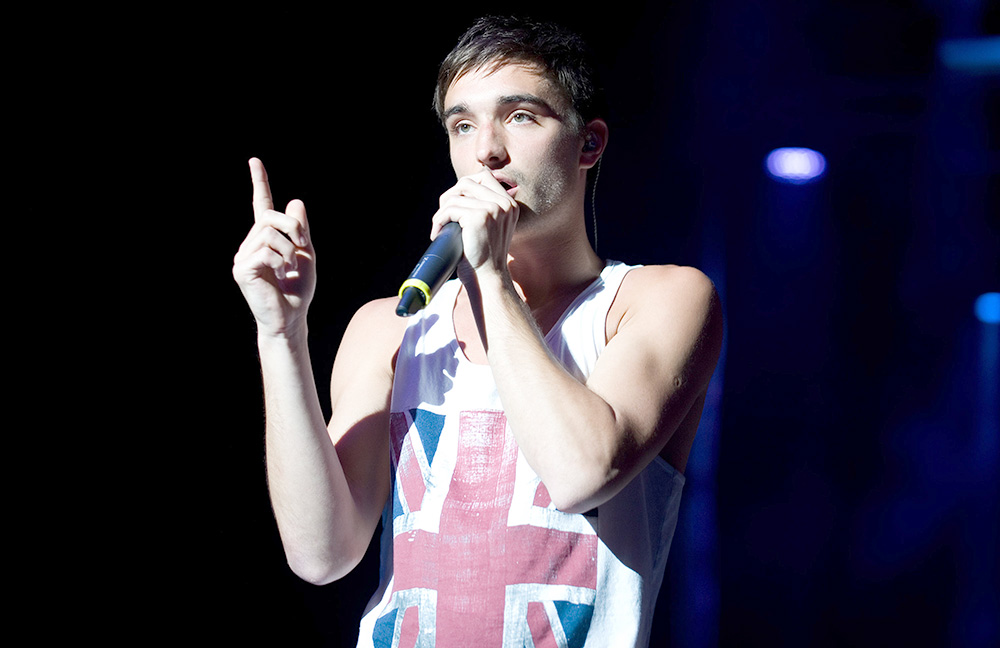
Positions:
(474, 554)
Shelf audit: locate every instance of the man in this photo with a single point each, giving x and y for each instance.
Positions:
(523, 438)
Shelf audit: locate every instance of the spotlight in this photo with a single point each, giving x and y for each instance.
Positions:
(795, 165)
(977, 55)
(988, 308)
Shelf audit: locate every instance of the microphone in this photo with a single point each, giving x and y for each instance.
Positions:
(433, 269)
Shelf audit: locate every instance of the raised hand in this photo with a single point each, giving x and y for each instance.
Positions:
(275, 265)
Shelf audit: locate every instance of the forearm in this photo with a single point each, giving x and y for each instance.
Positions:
(567, 433)
(318, 520)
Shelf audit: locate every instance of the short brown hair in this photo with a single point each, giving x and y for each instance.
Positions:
(561, 54)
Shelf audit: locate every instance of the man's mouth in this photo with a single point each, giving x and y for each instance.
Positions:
(508, 185)
(508, 182)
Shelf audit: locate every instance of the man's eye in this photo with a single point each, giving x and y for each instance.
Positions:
(521, 118)
(462, 128)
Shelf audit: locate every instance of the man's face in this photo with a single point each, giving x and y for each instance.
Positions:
(515, 122)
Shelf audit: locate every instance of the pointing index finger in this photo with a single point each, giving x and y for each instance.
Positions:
(262, 201)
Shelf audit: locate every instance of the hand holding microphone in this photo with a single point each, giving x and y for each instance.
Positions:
(433, 269)
(483, 203)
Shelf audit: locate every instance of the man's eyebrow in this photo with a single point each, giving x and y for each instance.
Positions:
(456, 110)
(504, 101)
(526, 98)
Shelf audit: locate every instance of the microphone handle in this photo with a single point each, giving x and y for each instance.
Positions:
(433, 269)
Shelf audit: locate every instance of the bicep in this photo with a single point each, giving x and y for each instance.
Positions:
(360, 394)
(660, 360)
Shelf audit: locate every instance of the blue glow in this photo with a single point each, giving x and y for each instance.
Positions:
(795, 165)
(971, 54)
(988, 308)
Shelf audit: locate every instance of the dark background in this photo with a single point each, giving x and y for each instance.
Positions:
(845, 488)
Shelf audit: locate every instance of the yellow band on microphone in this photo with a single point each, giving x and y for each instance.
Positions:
(419, 285)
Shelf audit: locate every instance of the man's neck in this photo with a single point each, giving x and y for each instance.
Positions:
(547, 269)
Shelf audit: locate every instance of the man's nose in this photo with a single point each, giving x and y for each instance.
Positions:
(491, 149)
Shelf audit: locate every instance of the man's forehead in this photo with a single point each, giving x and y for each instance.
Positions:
(494, 75)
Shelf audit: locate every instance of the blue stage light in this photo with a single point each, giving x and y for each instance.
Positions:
(988, 308)
(978, 55)
(795, 165)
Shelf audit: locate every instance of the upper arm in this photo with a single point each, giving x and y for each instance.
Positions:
(360, 393)
(664, 342)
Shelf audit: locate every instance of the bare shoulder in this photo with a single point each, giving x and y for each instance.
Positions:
(370, 342)
(381, 312)
(673, 277)
(377, 322)
(656, 292)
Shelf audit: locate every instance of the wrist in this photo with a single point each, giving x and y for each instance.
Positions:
(291, 336)
(494, 280)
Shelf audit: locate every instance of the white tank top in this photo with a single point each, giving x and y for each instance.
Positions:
(473, 552)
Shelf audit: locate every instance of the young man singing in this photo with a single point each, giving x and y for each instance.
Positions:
(523, 438)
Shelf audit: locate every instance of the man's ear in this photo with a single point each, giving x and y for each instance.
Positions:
(595, 140)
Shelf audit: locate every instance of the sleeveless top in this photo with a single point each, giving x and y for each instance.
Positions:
(473, 553)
